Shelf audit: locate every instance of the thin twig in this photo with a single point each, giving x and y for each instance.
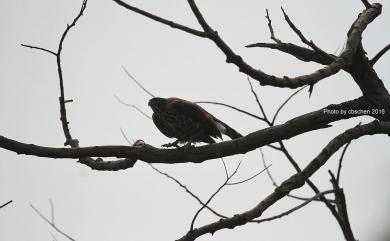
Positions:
(65, 123)
(250, 178)
(258, 102)
(178, 182)
(187, 190)
(162, 20)
(132, 106)
(284, 103)
(138, 83)
(340, 161)
(271, 28)
(5, 204)
(232, 107)
(302, 37)
(51, 224)
(52, 211)
(379, 55)
(314, 198)
(212, 196)
(224, 165)
(39, 48)
(342, 209)
(53, 236)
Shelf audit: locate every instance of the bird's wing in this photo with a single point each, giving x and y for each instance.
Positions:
(196, 113)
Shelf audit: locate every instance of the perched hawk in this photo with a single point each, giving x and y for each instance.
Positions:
(187, 122)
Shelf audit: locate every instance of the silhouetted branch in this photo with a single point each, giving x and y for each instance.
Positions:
(284, 103)
(340, 161)
(132, 106)
(5, 204)
(271, 29)
(314, 198)
(302, 37)
(379, 54)
(250, 178)
(187, 190)
(162, 20)
(231, 107)
(342, 209)
(140, 151)
(301, 53)
(258, 102)
(138, 83)
(294, 182)
(212, 196)
(51, 223)
(366, 3)
(39, 48)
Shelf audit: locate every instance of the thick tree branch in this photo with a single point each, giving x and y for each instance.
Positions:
(294, 182)
(356, 30)
(345, 58)
(305, 123)
(162, 20)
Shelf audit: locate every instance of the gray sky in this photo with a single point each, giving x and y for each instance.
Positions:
(138, 203)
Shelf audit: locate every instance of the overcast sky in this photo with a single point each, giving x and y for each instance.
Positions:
(138, 203)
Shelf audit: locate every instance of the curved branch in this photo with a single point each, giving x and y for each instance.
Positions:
(294, 182)
(379, 55)
(339, 63)
(308, 122)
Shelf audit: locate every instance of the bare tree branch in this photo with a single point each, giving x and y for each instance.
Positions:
(212, 196)
(342, 208)
(284, 103)
(302, 37)
(315, 197)
(379, 54)
(162, 20)
(51, 223)
(132, 106)
(138, 83)
(258, 102)
(187, 190)
(5, 204)
(271, 29)
(64, 120)
(249, 178)
(232, 107)
(39, 48)
(301, 53)
(294, 182)
(340, 161)
(366, 3)
(302, 124)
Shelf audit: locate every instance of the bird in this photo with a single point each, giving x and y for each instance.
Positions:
(187, 122)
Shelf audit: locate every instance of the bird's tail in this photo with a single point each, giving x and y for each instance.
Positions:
(227, 130)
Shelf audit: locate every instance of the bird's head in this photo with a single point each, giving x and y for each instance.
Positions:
(158, 104)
